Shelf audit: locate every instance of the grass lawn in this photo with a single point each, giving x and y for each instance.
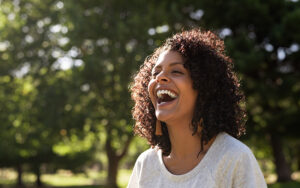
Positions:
(64, 179)
(294, 184)
(92, 179)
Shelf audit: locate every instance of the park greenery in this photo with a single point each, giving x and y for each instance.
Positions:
(66, 68)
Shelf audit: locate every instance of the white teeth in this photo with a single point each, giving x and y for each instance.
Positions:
(170, 93)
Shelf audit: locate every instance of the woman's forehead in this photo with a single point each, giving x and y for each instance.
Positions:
(169, 58)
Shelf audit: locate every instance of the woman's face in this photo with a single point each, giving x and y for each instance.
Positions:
(171, 88)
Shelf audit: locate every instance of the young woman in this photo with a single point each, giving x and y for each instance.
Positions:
(188, 105)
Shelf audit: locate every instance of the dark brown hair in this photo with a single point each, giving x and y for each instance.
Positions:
(219, 102)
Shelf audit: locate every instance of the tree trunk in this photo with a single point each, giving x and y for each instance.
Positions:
(298, 157)
(20, 173)
(113, 164)
(38, 176)
(114, 160)
(282, 168)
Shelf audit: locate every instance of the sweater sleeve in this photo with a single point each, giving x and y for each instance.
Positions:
(247, 173)
(133, 181)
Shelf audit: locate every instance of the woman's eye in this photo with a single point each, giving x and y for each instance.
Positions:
(177, 72)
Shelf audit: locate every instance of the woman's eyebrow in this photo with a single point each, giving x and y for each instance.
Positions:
(176, 63)
(171, 64)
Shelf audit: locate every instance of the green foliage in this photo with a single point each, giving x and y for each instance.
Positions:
(66, 67)
(260, 45)
(42, 106)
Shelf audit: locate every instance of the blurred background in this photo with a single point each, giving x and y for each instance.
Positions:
(66, 66)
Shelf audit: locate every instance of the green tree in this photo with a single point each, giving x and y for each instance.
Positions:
(43, 106)
(66, 68)
(263, 39)
(112, 38)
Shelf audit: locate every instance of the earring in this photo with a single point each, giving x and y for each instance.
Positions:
(200, 125)
(158, 130)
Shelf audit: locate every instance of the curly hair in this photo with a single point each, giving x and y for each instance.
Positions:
(219, 102)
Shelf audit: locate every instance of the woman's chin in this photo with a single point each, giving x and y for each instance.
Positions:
(162, 116)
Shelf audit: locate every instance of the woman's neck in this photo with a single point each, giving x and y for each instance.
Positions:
(185, 148)
(183, 144)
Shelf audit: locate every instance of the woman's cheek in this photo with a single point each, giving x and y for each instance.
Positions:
(150, 91)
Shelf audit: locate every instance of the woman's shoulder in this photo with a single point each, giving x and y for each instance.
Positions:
(229, 144)
(148, 155)
(230, 153)
(148, 161)
(237, 158)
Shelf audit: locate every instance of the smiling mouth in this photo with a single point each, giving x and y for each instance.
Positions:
(164, 96)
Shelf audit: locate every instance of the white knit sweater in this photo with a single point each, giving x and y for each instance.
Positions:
(227, 163)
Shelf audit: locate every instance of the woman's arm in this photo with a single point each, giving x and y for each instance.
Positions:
(247, 173)
(133, 181)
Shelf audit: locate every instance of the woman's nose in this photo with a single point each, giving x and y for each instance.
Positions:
(162, 77)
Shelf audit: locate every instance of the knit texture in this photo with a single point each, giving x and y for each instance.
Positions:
(227, 163)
